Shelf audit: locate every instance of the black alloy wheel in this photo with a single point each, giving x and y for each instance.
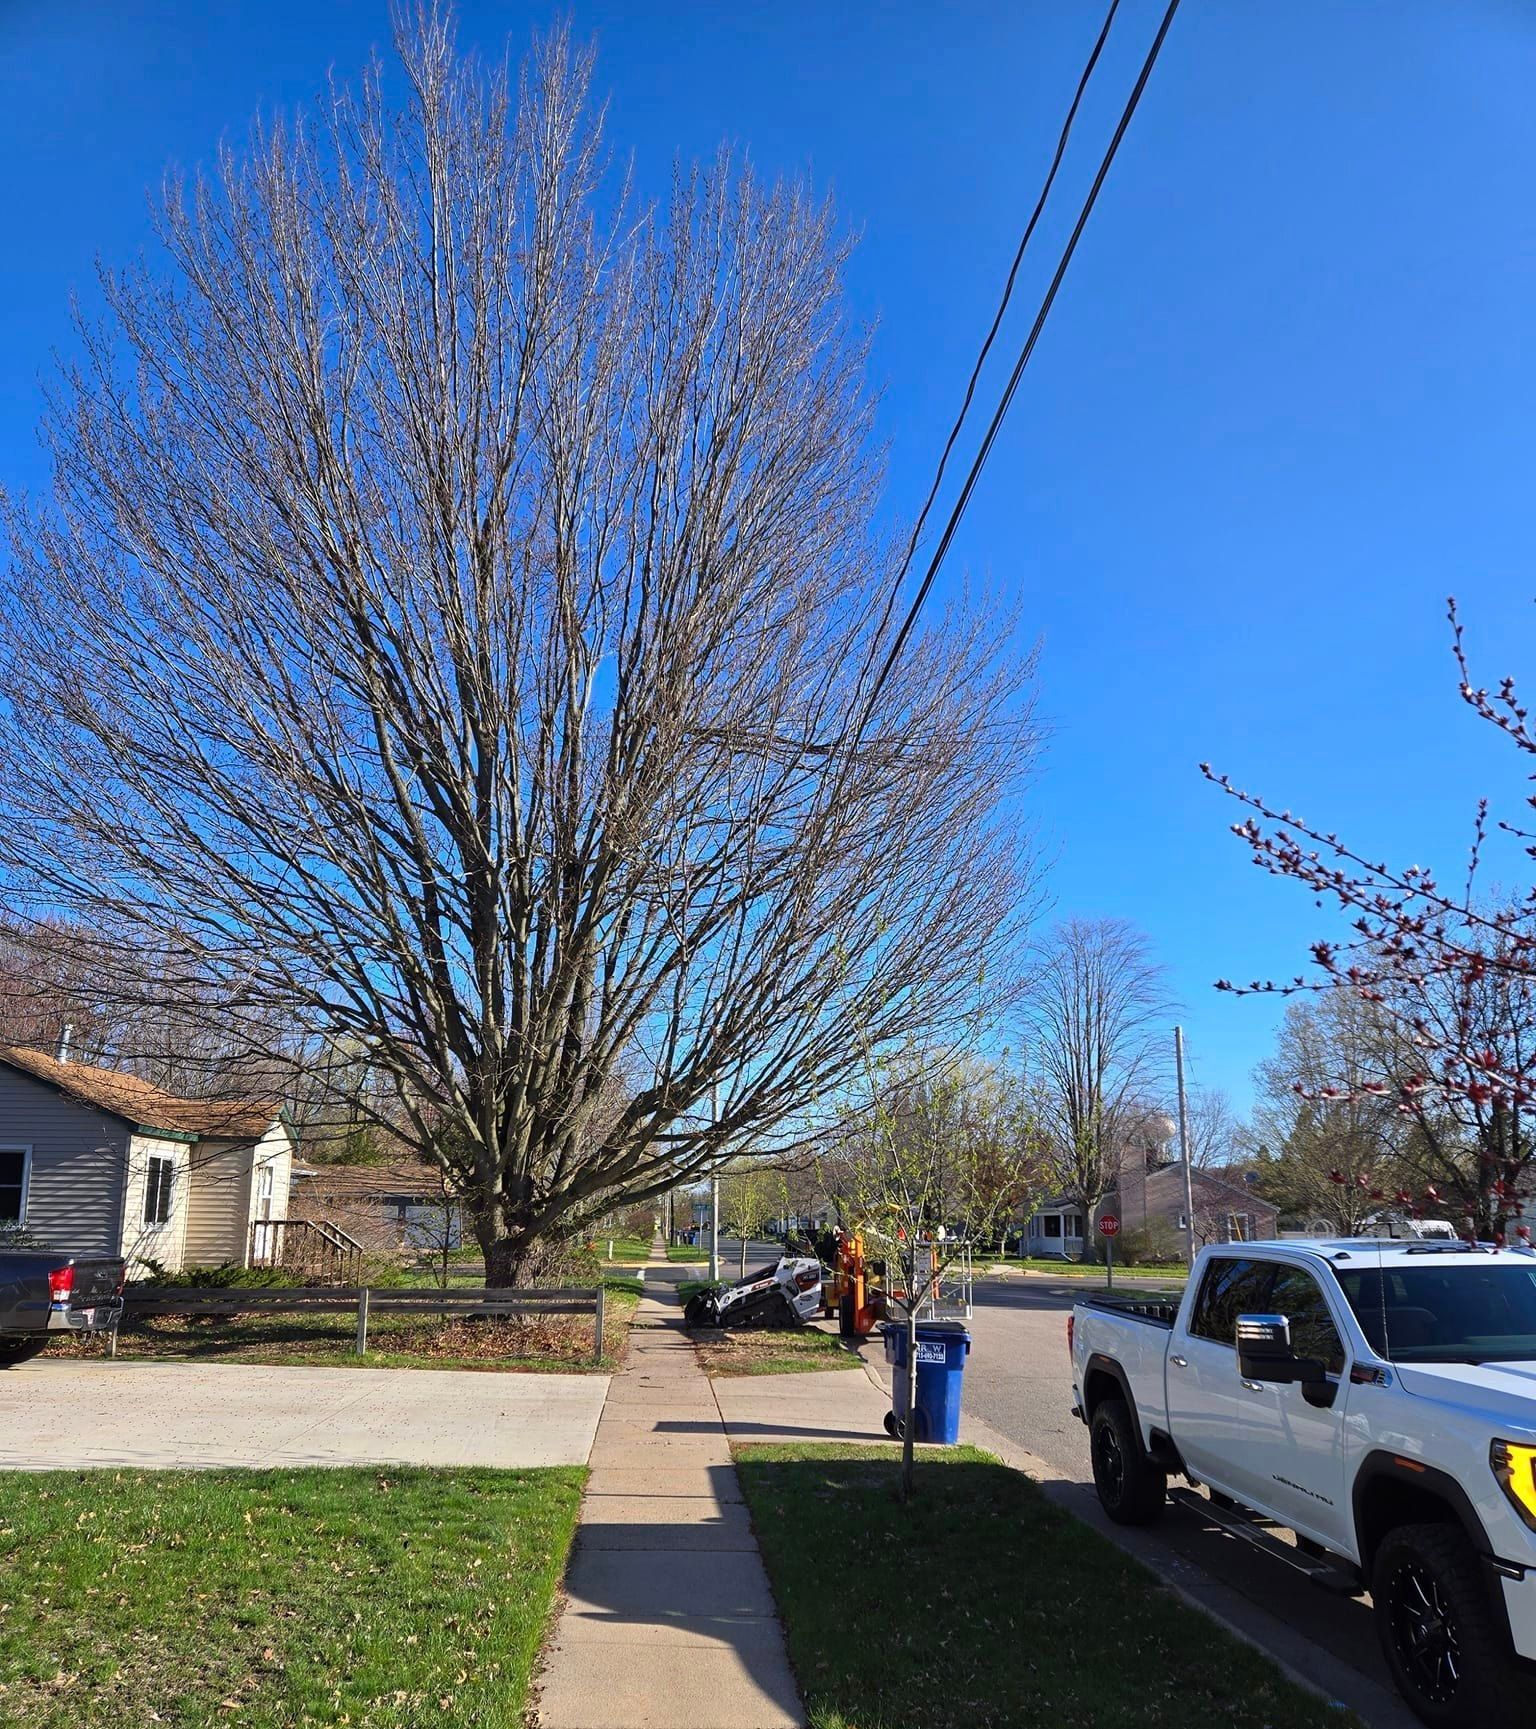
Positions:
(1108, 1461)
(1441, 1633)
(1425, 1631)
(1132, 1489)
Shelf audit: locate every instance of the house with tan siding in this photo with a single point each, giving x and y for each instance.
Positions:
(99, 1162)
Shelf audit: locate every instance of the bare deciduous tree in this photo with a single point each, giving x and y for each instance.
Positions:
(1096, 1009)
(1333, 1144)
(1216, 1136)
(453, 623)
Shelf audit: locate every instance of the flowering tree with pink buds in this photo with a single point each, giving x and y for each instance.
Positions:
(1449, 974)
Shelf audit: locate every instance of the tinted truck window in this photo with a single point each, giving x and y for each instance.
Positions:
(1295, 1293)
(1230, 1288)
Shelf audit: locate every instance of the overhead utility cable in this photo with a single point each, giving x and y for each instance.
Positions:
(1028, 349)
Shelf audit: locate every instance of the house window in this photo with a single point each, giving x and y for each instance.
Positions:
(1074, 1224)
(158, 1183)
(1239, 1227)
(13, 1184)
(1053, 1224)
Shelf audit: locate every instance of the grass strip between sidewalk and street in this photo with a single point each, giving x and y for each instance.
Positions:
(381, 1598)
(981, 1605)
(798, 1351)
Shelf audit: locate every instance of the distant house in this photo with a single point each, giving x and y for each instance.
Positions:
(1149, 1196)
(1228, 1209)
(386, 1209)
(99, 1162)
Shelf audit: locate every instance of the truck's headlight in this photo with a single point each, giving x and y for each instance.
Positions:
(1514, 1464)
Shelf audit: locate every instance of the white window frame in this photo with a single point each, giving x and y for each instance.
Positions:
(25, 1149)
(170, 1196)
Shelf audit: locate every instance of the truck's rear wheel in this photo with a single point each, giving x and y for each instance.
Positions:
(14, 1351)
(1438, 1632)
(1132, 1490)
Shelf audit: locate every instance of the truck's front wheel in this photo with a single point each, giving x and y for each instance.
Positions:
(1437, 1629)
(1132, 1490)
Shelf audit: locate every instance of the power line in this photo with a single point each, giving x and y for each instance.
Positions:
(997, 321)
(1028, 349)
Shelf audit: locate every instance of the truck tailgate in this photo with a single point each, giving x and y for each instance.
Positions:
(1138, 1344)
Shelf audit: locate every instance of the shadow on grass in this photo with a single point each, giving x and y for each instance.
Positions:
(989, 1607)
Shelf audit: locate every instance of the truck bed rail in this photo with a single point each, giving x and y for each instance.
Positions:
(1155, 1311)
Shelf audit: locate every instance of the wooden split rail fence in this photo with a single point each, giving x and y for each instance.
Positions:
(366, 1301)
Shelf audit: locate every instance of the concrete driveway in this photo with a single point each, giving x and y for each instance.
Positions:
(57, 1415)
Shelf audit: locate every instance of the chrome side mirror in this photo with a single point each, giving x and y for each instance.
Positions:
(1264, 1335)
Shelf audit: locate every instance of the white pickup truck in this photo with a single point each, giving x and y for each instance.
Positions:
(1376, 1398)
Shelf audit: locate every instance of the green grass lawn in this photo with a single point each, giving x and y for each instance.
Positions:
(628, 1249)
(559, 1343)
(685, 1252)
(383, 1599)
(990, 1608)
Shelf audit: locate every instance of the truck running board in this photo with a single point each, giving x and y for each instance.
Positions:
(1239, 1524)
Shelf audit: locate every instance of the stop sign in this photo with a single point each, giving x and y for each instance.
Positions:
(1109, 1225)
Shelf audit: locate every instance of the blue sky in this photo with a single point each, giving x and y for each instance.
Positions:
(1281, 410)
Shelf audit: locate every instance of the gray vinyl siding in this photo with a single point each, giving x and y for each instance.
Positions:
(79, 1155)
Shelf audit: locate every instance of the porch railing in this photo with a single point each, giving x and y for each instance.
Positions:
(314, 1247)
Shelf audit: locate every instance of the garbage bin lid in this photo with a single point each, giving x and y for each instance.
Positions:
(940, 1329)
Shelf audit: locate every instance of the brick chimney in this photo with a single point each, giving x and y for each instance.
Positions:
(1132, 1196)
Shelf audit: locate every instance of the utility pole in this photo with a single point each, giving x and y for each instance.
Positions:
(714, 1196)
(1189, 1176)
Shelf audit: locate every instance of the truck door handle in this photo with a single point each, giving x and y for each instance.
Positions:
(1179, 1362)
(1254, 1386)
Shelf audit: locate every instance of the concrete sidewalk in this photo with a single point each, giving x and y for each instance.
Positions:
(668, 1618)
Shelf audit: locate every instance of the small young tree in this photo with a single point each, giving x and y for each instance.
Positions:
(942, 1154)
(747, 1190)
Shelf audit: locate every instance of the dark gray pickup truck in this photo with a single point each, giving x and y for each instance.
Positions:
(45, 1292)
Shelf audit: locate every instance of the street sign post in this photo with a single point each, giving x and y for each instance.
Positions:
(1109, 1229)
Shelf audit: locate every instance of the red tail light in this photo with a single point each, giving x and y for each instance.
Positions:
(1071, 1325)
(61, 1282)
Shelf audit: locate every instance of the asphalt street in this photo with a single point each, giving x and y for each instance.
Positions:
(1018, 1380)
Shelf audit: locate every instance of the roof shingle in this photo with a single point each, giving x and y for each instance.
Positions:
(141, 1104)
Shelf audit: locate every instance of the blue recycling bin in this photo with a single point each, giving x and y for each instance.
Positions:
(942, 1347)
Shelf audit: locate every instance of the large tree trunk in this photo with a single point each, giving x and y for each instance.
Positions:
(509, 1260)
